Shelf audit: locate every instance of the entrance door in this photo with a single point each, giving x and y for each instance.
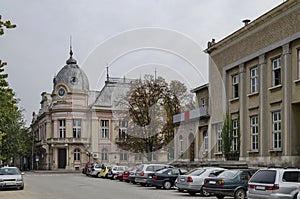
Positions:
(62, 158)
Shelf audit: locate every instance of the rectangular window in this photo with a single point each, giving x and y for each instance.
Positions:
(219, 138)
(254, 132)
(104, 129)
(123, 129)
(276, 70)
(104, 154)
(254, 80)
(76, 128)
(76, 154)
(62, 128)
(276, 123)
(205, 141)
(203, 102)
(138, 156)
(298, 62)
(123, 156)
(235, 86)
(235, 135)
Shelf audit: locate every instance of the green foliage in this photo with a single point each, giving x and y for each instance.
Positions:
(151, 105)
(227, 138)
(14, 137)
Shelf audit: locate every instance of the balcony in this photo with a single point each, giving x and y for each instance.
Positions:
(201, 112)
(69, 140)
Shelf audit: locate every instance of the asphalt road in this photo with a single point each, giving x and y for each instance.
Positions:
(79, 186)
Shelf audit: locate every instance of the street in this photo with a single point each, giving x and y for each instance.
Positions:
(79, 186)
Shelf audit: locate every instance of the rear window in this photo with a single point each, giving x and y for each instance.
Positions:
(195, 172)
(228, 174)
(264, 176)
(291, 176)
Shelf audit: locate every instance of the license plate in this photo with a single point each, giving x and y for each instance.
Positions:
(260, 188)
(9, 183)
(182, 180)
(212, 182)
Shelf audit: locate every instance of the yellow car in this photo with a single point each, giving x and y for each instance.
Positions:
(104, 171)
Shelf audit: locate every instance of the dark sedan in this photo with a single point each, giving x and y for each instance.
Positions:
(165, 177)
(229, 183)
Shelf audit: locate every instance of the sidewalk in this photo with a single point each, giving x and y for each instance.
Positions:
(55, 171)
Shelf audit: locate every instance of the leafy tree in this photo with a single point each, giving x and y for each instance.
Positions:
(14, 136)
(227, 138)
(151, 105)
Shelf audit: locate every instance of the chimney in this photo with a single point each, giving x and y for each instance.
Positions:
(246, 21)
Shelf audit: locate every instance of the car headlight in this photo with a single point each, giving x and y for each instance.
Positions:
(19, 179)
(1, 180)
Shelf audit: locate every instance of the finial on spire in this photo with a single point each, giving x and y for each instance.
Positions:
(107, 75)
(71, 52)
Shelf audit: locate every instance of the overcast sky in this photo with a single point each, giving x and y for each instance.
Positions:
(132, 37)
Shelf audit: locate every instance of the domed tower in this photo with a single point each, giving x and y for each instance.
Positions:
(70, 79)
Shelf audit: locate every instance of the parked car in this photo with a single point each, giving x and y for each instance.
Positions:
(95, 170)
(104, 171)
(165, 177)
(120, 174)
(131, 176)
(232, 183)
(192, 181)
(113, 172)
(275, 183)
(127, 172)
(86, 167)
(298, 196)
(11, 177)
(144, 170)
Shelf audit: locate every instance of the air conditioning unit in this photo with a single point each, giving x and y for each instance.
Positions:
(95, 155)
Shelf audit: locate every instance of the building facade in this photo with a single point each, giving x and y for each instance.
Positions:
(76, 125)
(254, 76)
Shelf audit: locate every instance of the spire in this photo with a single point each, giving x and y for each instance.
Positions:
(71, 52)
(107, 75)
(71, 60)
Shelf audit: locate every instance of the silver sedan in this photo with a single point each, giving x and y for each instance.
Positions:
(192, 181)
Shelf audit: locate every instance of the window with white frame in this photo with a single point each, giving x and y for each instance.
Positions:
(154, 156)
(235, 135)
(254, 132)
(235, 86)
(253, 80)
(104, 129)
(181, 144)
(205, 141)
(76, 128)
(104, 154)
(276, 71)
(298, 62)
(76, 154)
(62, 128)
(123, 156)
(123, 124)
(219, 138)
(138, 156)
(276, 123)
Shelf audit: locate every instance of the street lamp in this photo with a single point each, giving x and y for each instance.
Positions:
(89, 154)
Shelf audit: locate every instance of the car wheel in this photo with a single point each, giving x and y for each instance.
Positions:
(98, 175)
(240, 194)
(167, 185)
(180, 190)
(192, 193)
(157, 187)
(220, 196)
(143, 184)
(204, 193)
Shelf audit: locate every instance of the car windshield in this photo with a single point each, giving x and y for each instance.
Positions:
(195, 172)
(9, 171)
(228, 174)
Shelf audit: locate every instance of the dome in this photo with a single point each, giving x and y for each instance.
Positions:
(72, 75)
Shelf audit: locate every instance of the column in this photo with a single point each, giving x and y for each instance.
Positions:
(243, 111)
(286, 131)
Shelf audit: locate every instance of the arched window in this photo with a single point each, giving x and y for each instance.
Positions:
(77, 154)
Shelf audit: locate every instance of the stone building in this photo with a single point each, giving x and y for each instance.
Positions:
(191, 133)
(254, 75)
(76, 125)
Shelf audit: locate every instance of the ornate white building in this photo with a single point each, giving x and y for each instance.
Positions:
(75, 125)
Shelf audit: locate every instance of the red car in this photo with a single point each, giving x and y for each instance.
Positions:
(127, 173)
(86, 169)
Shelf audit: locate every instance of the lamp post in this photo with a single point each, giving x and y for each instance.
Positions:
(89, 154)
